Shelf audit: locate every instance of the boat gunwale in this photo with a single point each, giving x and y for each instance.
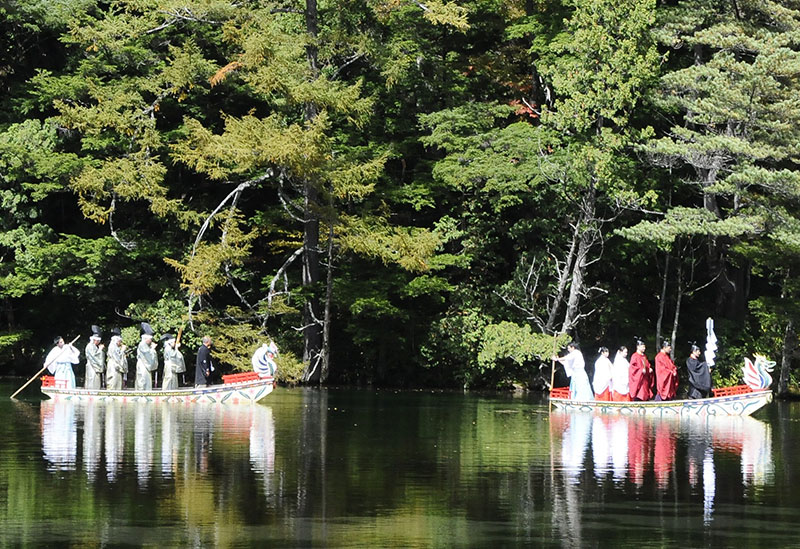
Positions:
(182, 392)
(664, 403)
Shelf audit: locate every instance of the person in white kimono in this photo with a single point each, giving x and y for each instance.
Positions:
(173, 363)
(116, 365)
(619, 376)
(59, 362)
(575, 367)
(146, 362)
(601, 381)
(95, 360)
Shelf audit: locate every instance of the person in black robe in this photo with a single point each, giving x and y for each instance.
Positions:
(699, 375)
(203, 365)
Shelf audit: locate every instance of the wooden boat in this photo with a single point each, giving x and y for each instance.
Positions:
(245, 388)
(740, 400)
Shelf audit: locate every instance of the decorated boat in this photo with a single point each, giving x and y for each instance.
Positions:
(740, 400)
(244, 388)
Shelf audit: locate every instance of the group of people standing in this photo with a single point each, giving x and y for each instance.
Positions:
(114, 363)
(634, 379)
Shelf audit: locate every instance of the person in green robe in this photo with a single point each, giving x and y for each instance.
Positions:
(95, 360)
(116, 365)
(173, 363)
(146, 360)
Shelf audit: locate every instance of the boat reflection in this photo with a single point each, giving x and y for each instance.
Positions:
(647, 455)
(165, 440)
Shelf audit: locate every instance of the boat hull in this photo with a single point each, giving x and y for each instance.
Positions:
(732, 405)
(247, 392)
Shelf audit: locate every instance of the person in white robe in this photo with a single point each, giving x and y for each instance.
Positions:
(59, 362)
(575, 367)
(95, 361)
(601, 381)
(116, 365)
(173, 363)
(146, 363)
(619, 376)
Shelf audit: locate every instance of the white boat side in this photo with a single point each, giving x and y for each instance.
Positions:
(743, 404)
(245, 392)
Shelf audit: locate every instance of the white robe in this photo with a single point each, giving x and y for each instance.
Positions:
(602, 375)
(116, 366)
(575, 367)
(95, 357)
(59, 362)
(173, 364)
(146, 362)
(619, 374)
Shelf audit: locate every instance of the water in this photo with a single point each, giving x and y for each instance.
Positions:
(358, 468)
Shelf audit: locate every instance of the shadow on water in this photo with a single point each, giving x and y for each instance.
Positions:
(344, 468)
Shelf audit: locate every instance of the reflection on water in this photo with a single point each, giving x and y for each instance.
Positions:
(641, 450)
(176, 430)
(343, 468)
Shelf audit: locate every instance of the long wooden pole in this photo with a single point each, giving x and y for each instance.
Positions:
(552, 372)
(45, 366)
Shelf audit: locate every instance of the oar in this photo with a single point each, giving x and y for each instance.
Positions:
(552, 373)
(64, 348)
(177, 343)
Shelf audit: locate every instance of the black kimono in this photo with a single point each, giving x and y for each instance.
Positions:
(202, 372)
(699, 378)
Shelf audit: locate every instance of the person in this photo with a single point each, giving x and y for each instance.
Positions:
(116, 363)
(601, 381)
(699, 374)
(173, 362)
(666, 373)
(95, 360)
(146, 360)
(575, 367)
(640, 374)
(619, 376)
(59, 362)
(203, 365)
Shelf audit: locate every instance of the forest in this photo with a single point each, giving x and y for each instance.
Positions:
(402, 193)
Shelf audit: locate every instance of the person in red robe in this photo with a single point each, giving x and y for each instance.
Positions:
(640, 374)
(666, 374)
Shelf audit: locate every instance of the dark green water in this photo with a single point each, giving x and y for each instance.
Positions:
(357, 468)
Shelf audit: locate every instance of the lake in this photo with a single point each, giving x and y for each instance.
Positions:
(375, 468)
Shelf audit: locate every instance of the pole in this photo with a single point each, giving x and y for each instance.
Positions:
(45, 366)
(552, 371)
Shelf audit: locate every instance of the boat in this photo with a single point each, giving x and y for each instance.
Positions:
(739, 400)
(244, 388)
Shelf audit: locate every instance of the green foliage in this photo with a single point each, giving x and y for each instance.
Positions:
(509, 341)
(9, 340)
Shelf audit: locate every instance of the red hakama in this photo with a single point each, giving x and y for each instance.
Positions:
(619, 397)
(605, 395)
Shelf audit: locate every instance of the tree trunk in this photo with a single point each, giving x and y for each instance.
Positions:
(789, 338)
(563, 280)
(662, 301)
(579, 267)
(676, 319)
(312, 333)
(326, 331)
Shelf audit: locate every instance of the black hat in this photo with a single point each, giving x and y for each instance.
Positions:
(638, 340)
(167, 337)
(146, 329)
(665, 343)
(116, 332)
(57, 339)
(96, 331)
